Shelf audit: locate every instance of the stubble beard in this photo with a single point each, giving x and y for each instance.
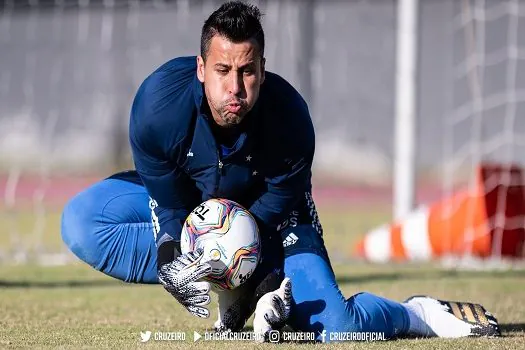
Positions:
(228, 119)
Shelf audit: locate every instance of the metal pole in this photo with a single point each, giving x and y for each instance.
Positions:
(405, 113)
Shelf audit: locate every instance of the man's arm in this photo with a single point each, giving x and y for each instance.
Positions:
(155, 148)
(155, 163)
(290, 177)
(165, 185)
(284, 190)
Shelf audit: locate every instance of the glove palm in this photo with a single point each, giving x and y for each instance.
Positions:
(180, 278)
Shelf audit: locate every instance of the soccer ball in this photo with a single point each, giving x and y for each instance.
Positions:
(229, 236)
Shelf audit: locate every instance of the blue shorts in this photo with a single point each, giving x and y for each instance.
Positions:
(109, 227)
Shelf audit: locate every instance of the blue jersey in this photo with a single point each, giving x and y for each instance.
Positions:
(266, 168)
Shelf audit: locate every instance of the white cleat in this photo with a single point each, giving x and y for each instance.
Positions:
(452, 319)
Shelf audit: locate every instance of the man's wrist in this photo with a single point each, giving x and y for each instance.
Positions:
(167, 252)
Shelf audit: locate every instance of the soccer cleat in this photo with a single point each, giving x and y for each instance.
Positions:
(469, 319)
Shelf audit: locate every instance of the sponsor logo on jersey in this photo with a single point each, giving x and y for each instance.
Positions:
(290, 240)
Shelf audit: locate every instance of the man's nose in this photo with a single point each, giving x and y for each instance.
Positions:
(236, 84)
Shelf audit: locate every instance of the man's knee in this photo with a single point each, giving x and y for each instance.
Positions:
(88, 227)
(108, 226)
(78, 228)
(378, 314)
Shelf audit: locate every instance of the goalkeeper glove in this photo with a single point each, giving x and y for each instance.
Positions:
(273, 309)
(179, 277)
(236, 306)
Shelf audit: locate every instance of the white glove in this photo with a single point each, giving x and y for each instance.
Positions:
(273, 309)
(180, 278)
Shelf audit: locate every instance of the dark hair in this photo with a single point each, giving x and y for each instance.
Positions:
(237, 22)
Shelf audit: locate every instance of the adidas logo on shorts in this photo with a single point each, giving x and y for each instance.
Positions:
(290, 239)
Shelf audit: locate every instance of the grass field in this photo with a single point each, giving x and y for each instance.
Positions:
(74, 306)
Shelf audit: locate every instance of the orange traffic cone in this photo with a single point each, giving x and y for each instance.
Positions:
(487, 220)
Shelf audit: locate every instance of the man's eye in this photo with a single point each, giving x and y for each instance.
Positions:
(222, 71)
(248, 72)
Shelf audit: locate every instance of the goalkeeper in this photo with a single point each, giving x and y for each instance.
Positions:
(219, 125)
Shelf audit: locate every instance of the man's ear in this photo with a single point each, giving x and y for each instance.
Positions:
(200, 68)
(263, 75)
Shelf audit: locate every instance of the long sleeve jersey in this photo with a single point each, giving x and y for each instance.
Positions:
(181, 164)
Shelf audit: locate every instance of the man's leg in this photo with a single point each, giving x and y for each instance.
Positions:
(319, 304)
(108, 226)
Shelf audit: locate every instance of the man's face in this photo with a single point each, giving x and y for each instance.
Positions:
(232, 77)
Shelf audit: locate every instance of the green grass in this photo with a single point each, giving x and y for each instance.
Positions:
(74, 306)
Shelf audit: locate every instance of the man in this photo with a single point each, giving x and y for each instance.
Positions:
(219, 125)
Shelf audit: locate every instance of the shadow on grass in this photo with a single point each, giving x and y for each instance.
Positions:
(411, 275)
(512, 328)
(341, 279)
(60, 284)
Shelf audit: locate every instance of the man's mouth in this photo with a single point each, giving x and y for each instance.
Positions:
(233, 107)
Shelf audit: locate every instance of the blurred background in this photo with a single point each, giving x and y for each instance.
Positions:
(69, 71)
